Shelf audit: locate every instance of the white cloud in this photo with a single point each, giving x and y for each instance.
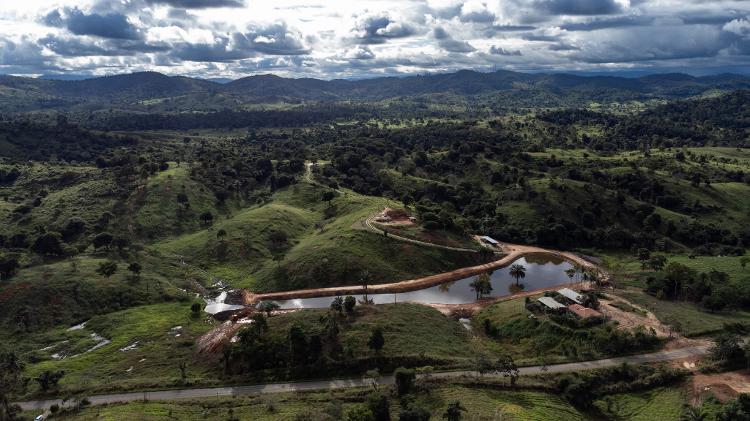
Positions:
(336, 38)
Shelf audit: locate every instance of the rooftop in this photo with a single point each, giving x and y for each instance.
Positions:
(583, 312)
(551, 303)
(569, 293)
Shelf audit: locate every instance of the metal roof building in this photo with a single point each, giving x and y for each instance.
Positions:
(551, 303)
(570, 294)
(489, 240)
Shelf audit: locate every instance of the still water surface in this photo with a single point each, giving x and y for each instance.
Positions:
(542, 271)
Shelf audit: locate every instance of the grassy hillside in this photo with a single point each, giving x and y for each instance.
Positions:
(147, 345)
(157, 212)
(69, 291)
(325, 244)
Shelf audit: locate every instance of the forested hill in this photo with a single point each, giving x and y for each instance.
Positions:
(150, 90)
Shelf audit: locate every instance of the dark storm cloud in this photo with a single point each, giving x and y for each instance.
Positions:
(82, 47)
(480, 16)
(578, 7)
(109, 25)
(617, 22)
(24, 52)
(274, 39)
(665, 42)
(199, 4)
(446, 42)
(538, 37)
(512, 28)
(500, 51)
(378, 28)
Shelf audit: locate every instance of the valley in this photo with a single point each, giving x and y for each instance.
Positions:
(566, 257)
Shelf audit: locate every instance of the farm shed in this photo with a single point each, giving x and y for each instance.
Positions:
(571, 295)
(551, 303)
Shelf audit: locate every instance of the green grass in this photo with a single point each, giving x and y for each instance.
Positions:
(480, 403)
(657, 404)
(691, 319)
(326, 246)
(628, 269)
(67, 291)
(155, 210)
(541, 339)
(409, 330)
(153, 363)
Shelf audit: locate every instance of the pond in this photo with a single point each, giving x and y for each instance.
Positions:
(542, 271)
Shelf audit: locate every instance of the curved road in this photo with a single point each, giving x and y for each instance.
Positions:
(162, 395)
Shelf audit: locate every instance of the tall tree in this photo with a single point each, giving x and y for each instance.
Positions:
(517, 271)
(482, 285)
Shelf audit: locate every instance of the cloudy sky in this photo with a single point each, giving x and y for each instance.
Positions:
(350, 38)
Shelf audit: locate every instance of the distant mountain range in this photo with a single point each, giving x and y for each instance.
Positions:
(151, 91)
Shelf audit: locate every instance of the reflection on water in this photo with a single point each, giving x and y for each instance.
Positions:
(542, 271)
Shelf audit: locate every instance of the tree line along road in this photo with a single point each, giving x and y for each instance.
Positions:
(162, 395)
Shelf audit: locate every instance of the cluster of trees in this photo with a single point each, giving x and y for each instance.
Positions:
(583, 388)
(712, 290)
(313, 347)
(29, 140)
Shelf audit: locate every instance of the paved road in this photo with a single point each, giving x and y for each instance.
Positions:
(361, 382)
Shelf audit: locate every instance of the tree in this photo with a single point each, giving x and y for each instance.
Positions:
(571, 272)
(744, 260)
(183, 370)
(8, 267)
(103, 239)
(11, 382)
(298, 346)
(278, 239)
(48, 244)
(481, 285)
(657, 262)
(691, 413)
(48, 379)
(379, 406)
(517, 271)
(454, 411)
(135, 269)
(328, 196)
(207, 218)
(337, 304)
(267, 306)
(736, 410)
(507, 367)
(374, 376)
(195, 309)
(727, 348)
(221, 234)
(359, 414)
(643, 255)
(404, 380)
(107, 268)
(120, 242)
(349, 303)
(376, 340)
(414, 413)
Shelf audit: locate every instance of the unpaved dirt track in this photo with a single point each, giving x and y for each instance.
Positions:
(362, 382)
